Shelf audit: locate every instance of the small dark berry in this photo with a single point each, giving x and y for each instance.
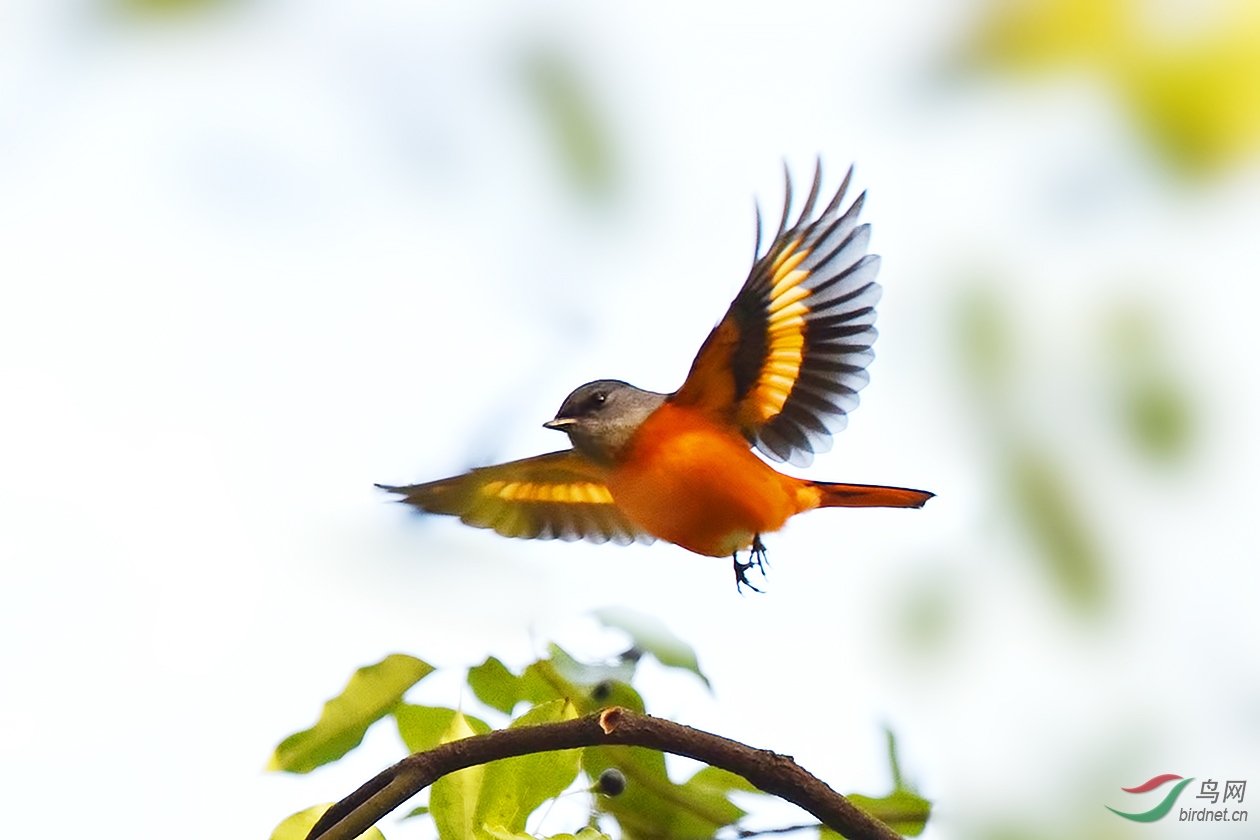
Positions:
(611, 782)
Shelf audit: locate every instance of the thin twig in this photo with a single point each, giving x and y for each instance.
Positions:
(773, 773)
(786, 829)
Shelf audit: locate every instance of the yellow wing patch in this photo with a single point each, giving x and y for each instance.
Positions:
(785, 336)
(560, 495)
(581, 493)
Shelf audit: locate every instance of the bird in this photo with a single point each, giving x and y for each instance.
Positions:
(779, 374)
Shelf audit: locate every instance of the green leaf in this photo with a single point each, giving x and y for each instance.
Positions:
(904, 812)
(514, 787)
(371, 694)
(611, 693)
(422, 727)
(586, 833)
(894, 763)
(453, 798)
(504, 834)
(297, 826)
(495, 685)
(652, 636)
(589, 687)
(652, 806)
(722, 781)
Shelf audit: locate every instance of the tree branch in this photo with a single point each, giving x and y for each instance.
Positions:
(773, 773)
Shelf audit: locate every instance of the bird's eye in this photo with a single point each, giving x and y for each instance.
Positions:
(594, 401)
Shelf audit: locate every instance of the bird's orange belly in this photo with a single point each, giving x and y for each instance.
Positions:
(687, 481)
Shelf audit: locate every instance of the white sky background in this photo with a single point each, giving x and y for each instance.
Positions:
(255, 261)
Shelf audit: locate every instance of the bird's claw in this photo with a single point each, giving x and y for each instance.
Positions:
(756, 560)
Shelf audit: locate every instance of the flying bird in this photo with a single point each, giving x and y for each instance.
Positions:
(779, 373)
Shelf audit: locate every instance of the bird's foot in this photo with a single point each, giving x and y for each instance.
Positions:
(756, 560)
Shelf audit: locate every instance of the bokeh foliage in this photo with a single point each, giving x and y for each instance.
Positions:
(1153, 404)
(1148, 407)
(1038, 490)
(1188, 72)
(165, 9)
(572, 120)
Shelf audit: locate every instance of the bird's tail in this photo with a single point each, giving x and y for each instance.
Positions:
(870, 495)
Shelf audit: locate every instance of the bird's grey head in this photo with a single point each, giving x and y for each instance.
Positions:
(600, 417)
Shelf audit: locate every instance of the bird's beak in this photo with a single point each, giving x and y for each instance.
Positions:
(559, 424)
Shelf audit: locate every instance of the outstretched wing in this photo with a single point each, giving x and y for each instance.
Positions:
(560, 495)
(785, 364)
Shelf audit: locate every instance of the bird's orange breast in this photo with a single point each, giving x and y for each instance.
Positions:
(686, 479)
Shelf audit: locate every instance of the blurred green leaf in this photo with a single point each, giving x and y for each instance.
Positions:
(573, 122)
(422, 727)
(610, 693)
(165, 8)
(559, 677)
(590, 687)
(652, 636)
(495, 685)
(1049, 514)
(720, 781)
(1155, 409)
(587, 833)
(1039, 494)
(894, 763)
(502, 794)
(370, 695)
(1192, 83)
(986, 343)
(297, 826)
(514, 787)
(904, 812)
(1036, 33)
(1157, 414)
(927, 611)
(504, 834)
(453, 798)
(653, 807)
(1201, 102)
